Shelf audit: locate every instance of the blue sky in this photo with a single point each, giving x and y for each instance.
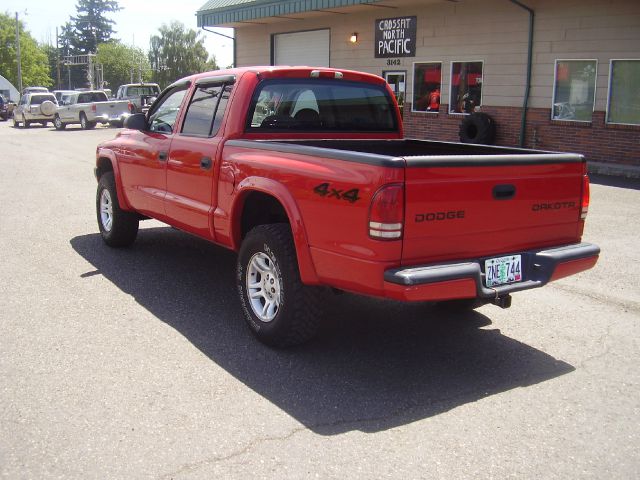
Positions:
(135, 23)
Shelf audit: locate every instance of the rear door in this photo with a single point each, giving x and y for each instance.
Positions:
(194, 157)
(475, 206)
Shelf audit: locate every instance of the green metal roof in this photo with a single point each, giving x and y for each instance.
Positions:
(224, 12)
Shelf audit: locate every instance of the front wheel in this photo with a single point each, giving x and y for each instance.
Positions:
(118, 228)
(279, 309)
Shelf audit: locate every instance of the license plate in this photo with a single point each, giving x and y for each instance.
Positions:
(502, 270)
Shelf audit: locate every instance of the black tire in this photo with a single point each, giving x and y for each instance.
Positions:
(86, 124)
(297, 315)
(478, 128)
(117, 227)
(58, 124)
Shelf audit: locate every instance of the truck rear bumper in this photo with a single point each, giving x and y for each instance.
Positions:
(466, 279)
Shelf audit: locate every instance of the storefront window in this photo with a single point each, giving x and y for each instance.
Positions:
(574, 90)
(466, 87)
(624, 92)
(427, 80)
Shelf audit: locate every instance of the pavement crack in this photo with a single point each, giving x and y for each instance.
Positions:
(627, 305)
(195, 466)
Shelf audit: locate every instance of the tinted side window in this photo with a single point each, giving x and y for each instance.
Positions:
(206, 110)
(199, 117)
(163, 117)
(222, 106)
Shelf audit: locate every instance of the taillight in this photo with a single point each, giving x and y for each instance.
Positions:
(386, 214)
(585, 197)
(93, 107)
(131, 107)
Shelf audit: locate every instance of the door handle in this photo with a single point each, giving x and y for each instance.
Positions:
(205, 163)
(162, 156)
(504, 192)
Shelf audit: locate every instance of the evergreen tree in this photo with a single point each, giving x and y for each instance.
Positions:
(91, 26)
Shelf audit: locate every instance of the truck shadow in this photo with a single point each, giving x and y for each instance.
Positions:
(375, 365)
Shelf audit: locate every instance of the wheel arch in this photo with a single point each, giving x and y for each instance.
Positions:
(106, 162)
(262, 201)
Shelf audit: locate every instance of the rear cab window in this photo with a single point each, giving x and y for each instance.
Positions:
(321, 105)
(38, 99)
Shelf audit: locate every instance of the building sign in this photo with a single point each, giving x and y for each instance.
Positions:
(396, 37)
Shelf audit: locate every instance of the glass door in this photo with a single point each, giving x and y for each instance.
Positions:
(398, 81)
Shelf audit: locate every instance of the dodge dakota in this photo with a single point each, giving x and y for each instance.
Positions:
(305, 173)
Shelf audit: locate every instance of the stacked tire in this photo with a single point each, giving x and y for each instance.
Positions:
(478, 128)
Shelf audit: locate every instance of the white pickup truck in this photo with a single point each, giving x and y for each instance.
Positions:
(89, 108)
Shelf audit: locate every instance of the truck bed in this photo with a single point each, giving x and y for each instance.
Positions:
(467, 201)
(414, 151)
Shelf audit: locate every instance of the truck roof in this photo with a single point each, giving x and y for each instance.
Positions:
(283, 71)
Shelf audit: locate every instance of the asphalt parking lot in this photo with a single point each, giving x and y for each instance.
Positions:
(136, 363)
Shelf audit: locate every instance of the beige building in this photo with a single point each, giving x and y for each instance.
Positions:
(448, 58)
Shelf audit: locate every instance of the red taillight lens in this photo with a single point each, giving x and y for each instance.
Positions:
(93, 107)
(386, 215)
(131, 107)
(585, 197)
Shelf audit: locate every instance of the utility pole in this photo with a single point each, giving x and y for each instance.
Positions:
(58, 78)
(18, 55)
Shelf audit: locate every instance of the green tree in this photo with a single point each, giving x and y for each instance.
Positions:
(34, 63)
(91, 26)
(122, 64)
(176, 52)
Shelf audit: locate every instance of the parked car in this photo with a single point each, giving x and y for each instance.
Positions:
(35, 90)
(140, 95)
(4, 108)
(35, 108)
(89, 108)
(60, 93)
(325, 191)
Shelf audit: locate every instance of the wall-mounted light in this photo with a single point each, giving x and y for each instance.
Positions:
(354, 37)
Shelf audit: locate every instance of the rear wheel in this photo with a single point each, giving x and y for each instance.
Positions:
(279, 309)
(86, 124)
(58, 123)
(118, 228)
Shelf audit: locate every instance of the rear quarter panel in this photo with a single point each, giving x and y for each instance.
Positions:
(333, 197)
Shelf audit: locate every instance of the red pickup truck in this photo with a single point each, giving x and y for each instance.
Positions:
(305, 173)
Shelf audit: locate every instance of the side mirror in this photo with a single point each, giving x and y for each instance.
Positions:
(137, 121)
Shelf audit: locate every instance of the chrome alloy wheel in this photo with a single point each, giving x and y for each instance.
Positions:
(106, 210)
(263, 287)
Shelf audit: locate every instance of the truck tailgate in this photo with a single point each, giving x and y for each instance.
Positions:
(463, 208)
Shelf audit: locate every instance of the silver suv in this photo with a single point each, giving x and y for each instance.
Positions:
(35, 108)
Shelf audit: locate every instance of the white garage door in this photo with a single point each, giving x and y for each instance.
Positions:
(302, 48)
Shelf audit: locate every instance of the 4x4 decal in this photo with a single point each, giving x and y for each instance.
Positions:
(325, 190)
